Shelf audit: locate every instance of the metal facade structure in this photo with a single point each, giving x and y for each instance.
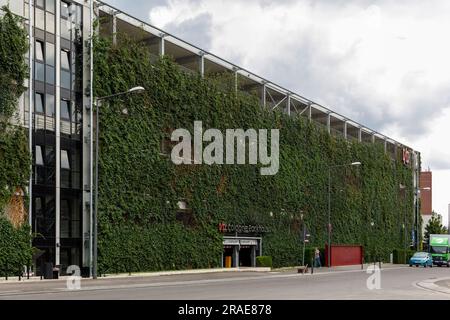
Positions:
(58, 105)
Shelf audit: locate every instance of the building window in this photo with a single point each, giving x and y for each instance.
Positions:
(65, 29)
(65, 160)
(65, 80)
(65, 110)
(39, 71)
(49, 156)
(39, 159)
(39, 51)
(65, 60)
(50, 75)
(40, 3)
(50, 22)
(64, 10)
(40, 19)
(50, 53)
(50, 6)
(39, 103)
(49, 105)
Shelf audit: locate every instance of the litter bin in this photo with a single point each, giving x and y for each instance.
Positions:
(48, 270)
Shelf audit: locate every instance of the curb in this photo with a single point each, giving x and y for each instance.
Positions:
(430, 284)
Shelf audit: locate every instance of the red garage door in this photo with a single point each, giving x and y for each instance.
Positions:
(344, 255)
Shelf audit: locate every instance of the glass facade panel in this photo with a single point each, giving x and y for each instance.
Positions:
(39, 51)
(50, 53)
(64, 10)
(38, 156)
(50, 22)
(65, 112)
(65, 31)
(39, 71)
(65, 80)
(39, 19)
(65, 60)
(39, 103)
(50, 75)
(50, 105)
(65, 164)
(50, 6)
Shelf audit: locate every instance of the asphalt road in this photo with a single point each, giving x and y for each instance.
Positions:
(395, 283)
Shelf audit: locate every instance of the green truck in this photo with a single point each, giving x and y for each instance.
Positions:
(439, 249)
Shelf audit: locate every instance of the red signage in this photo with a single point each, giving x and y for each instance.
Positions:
(225, 227)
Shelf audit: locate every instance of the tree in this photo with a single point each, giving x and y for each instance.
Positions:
(434, 226)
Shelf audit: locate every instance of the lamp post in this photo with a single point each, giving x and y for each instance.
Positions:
(329, 203)
(97, 105)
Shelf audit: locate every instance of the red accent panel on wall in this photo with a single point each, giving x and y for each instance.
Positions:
(344, 255)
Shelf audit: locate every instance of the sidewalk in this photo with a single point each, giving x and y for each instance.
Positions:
(341, 268)
(322, 270)
(141, 274)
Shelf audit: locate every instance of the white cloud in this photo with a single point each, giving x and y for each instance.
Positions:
(383, 63)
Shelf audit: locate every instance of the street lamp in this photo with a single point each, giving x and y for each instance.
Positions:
(97, 105)
(357, 163)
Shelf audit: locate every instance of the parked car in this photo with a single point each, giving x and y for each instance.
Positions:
(421, 259)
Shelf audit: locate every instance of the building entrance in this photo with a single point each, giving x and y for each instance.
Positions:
(240, 252)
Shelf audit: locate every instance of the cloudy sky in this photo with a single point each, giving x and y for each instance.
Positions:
(383, 63)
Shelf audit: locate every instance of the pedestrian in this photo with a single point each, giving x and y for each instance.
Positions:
(317, 262)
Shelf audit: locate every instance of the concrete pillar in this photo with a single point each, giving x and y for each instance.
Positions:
(162, 45)
(288, 104)
(263, 98)
(202, 64)
(87, 153)
(58, 131)
(310, 112)
(236, 256)
(114, 28)
(360, 135)
(30, 108)
(253, 256)
(235, 80)
(345, 130)
(329, 123)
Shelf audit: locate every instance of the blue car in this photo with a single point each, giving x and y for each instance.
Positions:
(421, 259)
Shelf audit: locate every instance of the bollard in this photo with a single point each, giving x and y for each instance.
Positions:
(28, 272)
(312, 266)
(6, 271)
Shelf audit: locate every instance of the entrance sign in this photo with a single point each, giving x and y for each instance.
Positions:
(239, 228)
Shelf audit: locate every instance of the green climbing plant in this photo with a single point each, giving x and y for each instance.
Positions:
(15, 249)
(139, 221)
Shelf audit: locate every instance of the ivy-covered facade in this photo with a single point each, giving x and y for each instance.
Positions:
(155, 215)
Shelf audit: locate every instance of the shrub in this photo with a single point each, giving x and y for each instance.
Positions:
(264, 261)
